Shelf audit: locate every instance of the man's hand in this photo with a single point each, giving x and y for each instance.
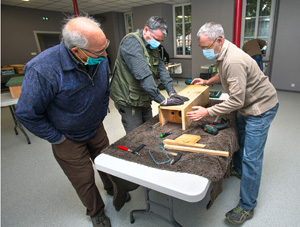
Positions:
(175, 95)
(198, 114)
(199, 81)
(171, 102)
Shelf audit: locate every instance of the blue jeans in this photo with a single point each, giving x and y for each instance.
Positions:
(259, 60)
(253, 133)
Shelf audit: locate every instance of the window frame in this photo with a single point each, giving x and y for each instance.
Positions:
(270, 34)
(183, 32)
(126, 24)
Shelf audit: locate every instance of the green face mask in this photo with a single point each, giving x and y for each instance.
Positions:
(91, 61)
(94, 61)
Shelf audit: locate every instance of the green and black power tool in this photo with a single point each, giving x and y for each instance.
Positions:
(214, 127)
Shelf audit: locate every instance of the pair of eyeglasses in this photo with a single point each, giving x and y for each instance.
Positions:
(160, 41)
(98, 53)
(210, 45)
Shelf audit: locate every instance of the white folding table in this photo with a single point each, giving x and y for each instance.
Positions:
(174, 68)
(184, 186)
(7, 100)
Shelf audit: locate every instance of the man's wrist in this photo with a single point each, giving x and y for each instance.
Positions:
(164, 102)
(172, 93)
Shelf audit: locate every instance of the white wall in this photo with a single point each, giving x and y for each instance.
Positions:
(205, 11)
(285, 65)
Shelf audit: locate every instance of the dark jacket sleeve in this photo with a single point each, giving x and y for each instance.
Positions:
(132, 54)
(35, 96)
(106, 99)
(165, 78)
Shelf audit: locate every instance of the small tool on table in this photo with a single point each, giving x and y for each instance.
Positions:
(176, 159)
(153, 126)
(172, 161)
(165, 134)
(135, 151)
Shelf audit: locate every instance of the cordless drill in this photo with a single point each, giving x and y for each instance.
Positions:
(214, 127)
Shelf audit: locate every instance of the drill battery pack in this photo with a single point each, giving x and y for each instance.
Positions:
(188, 81)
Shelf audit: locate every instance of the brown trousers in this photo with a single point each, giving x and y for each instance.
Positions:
(75, 159)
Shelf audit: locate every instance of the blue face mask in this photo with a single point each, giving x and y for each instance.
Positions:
(94, 61)
(153, 44)
(210, 54)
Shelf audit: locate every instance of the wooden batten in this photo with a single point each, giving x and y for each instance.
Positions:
(196, 150)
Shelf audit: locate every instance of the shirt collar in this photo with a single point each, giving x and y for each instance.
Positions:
(73, 57)
(68, 60)
(223, 50)
(145, 42)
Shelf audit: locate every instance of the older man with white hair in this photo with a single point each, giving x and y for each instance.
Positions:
(64, 100)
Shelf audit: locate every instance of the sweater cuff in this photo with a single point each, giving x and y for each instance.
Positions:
(211, 112)
(159, 98)
(60, 140)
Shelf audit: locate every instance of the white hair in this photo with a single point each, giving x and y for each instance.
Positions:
(212, 29)
(72, 38)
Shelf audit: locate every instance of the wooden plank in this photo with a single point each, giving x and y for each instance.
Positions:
(174, 142)
(197, 150)
(188, 138)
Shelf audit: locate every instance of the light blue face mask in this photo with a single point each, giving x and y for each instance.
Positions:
(210, 54)
(94, 61)
(153, 44)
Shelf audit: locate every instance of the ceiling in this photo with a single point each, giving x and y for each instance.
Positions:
(88, 6)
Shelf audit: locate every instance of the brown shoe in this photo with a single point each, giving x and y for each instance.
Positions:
(101, 220)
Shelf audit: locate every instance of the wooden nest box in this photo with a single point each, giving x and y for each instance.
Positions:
(198, 95)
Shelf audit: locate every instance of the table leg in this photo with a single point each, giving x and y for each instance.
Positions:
(18, 124)
(172, 73)
(172, 220)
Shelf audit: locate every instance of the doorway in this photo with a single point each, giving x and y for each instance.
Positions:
(46, 39)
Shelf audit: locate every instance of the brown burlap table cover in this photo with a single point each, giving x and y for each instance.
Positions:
(213, 167)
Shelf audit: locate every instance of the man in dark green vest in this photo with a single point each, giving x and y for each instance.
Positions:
(137, 66)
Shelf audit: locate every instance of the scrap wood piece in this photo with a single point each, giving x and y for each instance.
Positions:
(175, 142)
(188, 139)
(197, 150)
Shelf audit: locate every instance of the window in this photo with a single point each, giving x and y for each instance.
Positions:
(257, 22)
(182, 20)
(128, 22)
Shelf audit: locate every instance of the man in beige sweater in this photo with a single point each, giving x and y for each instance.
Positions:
(255, 98)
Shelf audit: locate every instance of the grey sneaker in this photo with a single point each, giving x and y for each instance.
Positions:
(238, 215)
(101, 220)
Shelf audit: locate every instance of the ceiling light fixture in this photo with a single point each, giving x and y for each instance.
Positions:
(25, 0)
